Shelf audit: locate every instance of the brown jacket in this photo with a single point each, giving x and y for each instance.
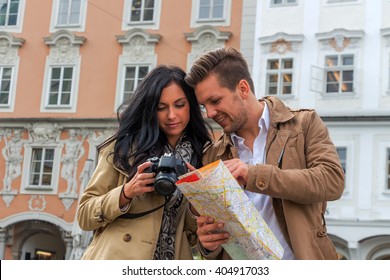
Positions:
(308, 175)
(124, 239)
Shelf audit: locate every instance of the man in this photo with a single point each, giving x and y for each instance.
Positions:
(284, 159)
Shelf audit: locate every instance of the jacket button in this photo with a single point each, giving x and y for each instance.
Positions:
(126, 237)
(321, 233)
(262, 185)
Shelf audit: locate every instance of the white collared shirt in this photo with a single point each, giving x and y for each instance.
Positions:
(262, 202)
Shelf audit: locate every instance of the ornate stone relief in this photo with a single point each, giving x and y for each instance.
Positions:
(281, 43)
(340, 39)
(138, 45)
(64, 47)
(44, 132)
(339, 42)
(12, 153)
(136, 48)
(9, 47)
(37, 203)
(204, 39)
(73, 152)
(281, 46)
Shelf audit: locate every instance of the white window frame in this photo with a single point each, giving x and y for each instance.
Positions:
(71, 108)
(280, 73)
(343, 161)
(341, 69)
(224, 21)
(388, 74)
(211, 5)
(349, 165)
(332, 2)
(11, 92)
(80, 26)
(383, 192)
(283, 3)
(153, 24)
(61, 91)
(263, 75)
(121, 80)
(27, 164)
(17, 28)
(136, 79)
(385, 64)
(387, 171)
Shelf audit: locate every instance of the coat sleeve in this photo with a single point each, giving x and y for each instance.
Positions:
(99, 204)
(322, 179)
(190, 226)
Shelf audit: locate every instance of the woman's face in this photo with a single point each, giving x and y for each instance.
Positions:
(173, 112)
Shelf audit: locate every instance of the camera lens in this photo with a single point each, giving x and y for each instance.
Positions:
(165, 184)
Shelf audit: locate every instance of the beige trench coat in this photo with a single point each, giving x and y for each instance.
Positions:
(308, 175)
(124, 239)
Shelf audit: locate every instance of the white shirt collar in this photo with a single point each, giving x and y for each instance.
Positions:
(263, 121)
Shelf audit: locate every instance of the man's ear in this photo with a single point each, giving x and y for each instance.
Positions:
(243, 89)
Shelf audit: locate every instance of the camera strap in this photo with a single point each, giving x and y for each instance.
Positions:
(138, 215)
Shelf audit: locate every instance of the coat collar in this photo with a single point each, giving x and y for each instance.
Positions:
(279, 113)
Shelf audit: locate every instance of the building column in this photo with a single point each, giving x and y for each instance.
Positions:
(3, 238)
(68, 242)
(354, 250)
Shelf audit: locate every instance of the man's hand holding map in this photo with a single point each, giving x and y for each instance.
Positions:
(213, 191)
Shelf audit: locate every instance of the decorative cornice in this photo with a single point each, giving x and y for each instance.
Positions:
(281, 36)
(13, 41)
(129, 35)
(219, 35)
(61, 34)
(385, 32)
(339, 39)
(350, 34)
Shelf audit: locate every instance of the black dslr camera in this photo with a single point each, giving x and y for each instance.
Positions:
(168, 168)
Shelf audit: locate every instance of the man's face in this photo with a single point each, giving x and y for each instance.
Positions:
(224, 106)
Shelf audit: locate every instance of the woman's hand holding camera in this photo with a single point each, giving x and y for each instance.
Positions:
(140, 183)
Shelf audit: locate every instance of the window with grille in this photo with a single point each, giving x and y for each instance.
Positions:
(9, 11)
(5, 85)
(339, 71)
(142, 11)
(132, 77)
(41, 169)
(341, 1)
(69, 12)
(342, 152)
(211, 9)
(279, 76)
(283, 2)
(60, 90)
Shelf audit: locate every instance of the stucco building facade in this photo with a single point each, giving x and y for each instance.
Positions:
(65, 66)
(334, 56)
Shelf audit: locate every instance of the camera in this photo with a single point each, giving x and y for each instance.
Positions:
(168, 168)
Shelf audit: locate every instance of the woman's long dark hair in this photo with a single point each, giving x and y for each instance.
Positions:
(138, 136)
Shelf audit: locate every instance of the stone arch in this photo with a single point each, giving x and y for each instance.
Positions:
(376, 247)
(23, 226)
(341, 247)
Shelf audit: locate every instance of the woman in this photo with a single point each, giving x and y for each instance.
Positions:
(129, 219)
